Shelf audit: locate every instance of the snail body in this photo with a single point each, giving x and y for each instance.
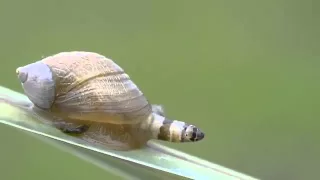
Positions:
(90, 95)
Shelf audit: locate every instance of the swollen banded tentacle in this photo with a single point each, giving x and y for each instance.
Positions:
(165, 129)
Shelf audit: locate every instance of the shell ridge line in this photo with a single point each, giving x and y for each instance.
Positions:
(89, 78)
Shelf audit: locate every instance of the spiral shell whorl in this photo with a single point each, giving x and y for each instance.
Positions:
(88, 82)
(72, 68)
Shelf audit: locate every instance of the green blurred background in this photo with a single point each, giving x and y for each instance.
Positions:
(246, 72)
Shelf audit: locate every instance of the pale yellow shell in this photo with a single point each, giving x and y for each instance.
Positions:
(91, 87)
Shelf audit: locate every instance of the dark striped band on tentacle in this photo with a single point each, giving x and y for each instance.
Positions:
(183, 132)
(167, 121)
(194, 134)
(164, 132)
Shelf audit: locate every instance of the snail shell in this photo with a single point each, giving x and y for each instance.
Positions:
(83, 86)
(86, 88)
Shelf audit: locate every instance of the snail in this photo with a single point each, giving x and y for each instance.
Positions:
(91, 97)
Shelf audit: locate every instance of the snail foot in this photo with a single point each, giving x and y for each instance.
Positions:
(71, 128)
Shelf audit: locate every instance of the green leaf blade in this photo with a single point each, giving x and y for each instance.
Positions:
(154, 157)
